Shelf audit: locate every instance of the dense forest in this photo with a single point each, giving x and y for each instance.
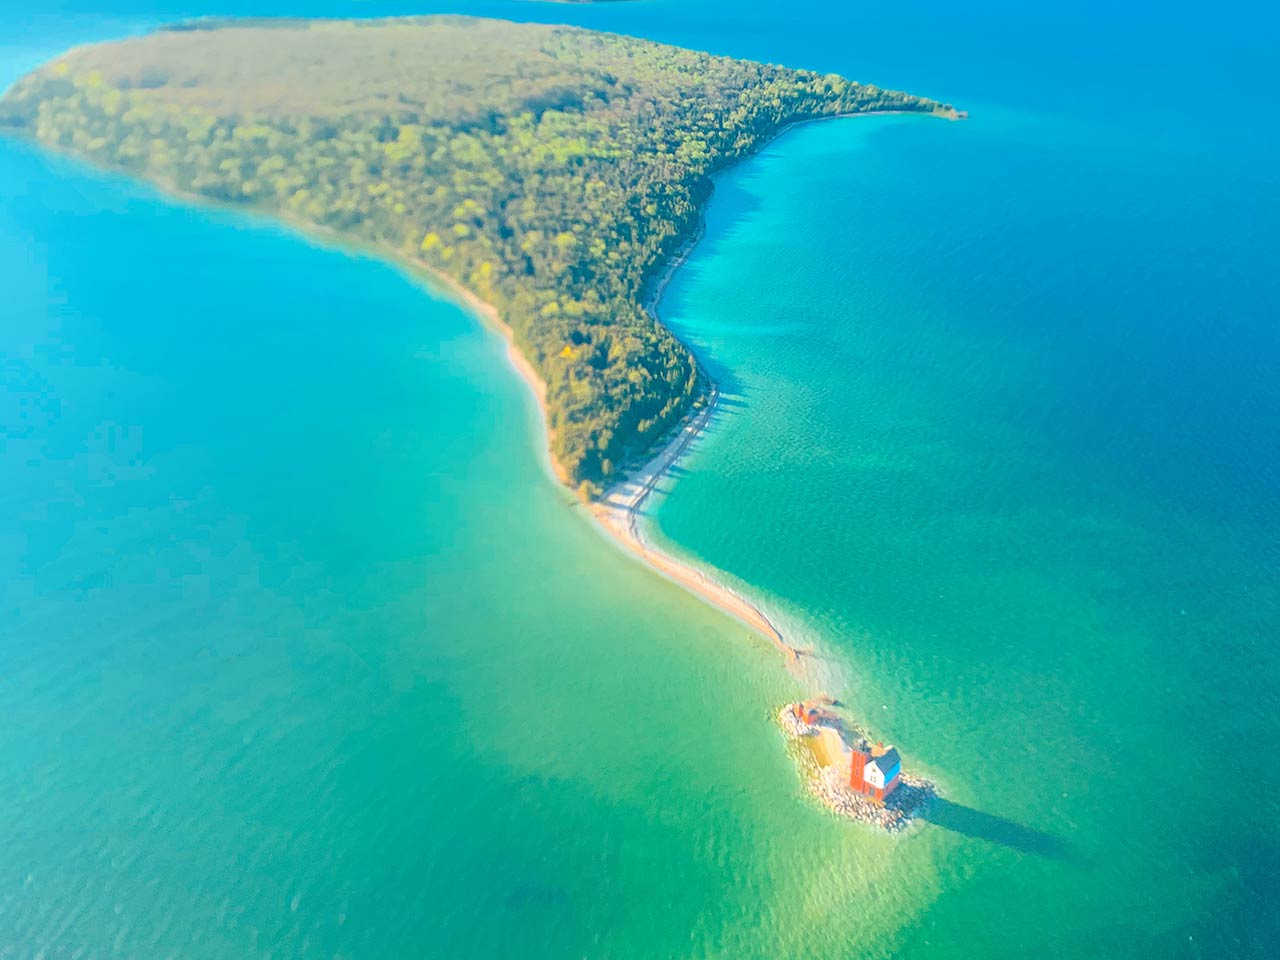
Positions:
(550, 170)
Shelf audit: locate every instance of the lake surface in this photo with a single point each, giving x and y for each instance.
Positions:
(303, 655)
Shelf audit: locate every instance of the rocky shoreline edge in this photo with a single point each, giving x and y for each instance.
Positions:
(911, 801)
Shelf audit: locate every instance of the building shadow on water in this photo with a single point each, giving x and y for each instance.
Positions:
(958, 818)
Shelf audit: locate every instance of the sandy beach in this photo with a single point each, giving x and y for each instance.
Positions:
(618, 513)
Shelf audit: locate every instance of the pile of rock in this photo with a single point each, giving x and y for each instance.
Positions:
(910, 801)
(913, 798)
(793, 726)
(907, 803)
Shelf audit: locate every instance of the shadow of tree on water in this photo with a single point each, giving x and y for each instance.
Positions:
(958, 818)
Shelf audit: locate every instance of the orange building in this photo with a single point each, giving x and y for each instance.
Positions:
(807, 713)
(874, 771)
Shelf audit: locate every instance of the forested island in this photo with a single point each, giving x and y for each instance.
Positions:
(549, 170)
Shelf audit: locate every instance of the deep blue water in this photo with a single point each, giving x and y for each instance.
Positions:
(1004, 435)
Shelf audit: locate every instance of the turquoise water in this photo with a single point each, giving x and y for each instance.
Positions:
(302, 654)
(1039, 525)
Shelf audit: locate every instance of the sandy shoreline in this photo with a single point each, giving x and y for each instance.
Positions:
(618, 512)
(488, 313)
